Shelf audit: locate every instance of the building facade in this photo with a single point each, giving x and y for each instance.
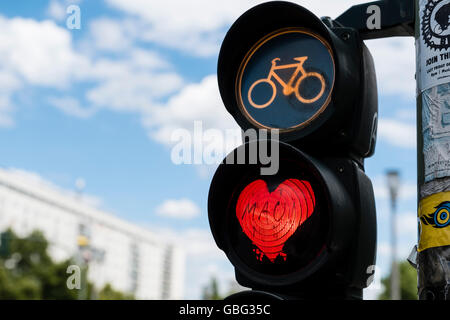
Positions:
(130, 258)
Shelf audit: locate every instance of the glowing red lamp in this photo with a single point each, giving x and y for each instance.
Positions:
(269, 219)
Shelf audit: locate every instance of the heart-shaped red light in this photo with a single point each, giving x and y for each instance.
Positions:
(269, 219)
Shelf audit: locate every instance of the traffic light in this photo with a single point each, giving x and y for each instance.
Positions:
(309, 229)
(281, 67)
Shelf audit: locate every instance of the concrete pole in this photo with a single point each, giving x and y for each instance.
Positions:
(432, 34)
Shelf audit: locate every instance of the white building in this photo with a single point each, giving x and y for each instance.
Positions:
(132, 259)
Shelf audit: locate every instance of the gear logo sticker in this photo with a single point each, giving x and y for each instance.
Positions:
(436, 24)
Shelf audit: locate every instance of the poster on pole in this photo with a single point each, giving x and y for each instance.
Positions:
(436, 132)
(433, 82)
(433, 44)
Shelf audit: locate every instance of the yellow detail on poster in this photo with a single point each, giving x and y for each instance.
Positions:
(434, 215)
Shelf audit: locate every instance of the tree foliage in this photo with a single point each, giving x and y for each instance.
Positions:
(28, 272)
(211, 291)
(408, 283)
(108, 293)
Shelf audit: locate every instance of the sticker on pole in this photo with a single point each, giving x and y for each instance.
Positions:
(436, 132)
(434, 215)
(433, 44)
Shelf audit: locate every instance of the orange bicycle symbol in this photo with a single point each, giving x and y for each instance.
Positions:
(287, 87)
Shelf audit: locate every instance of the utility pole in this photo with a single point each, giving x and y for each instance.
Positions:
(393, 181)
(432, 34)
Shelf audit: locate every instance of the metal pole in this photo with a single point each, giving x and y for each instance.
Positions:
(433, 147)
(393, 180)
(395, 283)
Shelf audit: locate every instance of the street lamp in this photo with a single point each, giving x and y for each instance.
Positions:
(393, 181)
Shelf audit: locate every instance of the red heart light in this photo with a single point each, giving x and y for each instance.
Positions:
(269, 219)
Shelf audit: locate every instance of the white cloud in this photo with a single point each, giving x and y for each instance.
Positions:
(109, 34)
(133, 83)
(9, 81)
(148, 60)
(182, 209)
(194, 26)
(39, 52)
(398, 133)
(71, 106)
(43, 54)
(395, 66)
(133, 91)
(195, 102)
(202, 24)
(56, 10)
(134, 61)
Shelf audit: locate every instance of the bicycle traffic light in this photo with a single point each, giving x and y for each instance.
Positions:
(280, 67)
(309, 229)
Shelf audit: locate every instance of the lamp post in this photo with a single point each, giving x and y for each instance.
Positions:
(393, 181)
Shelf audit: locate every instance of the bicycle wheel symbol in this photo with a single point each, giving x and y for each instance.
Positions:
(274, 93)
(318, 96)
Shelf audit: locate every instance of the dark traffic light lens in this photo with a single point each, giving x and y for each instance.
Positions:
(278, 224)
(286, 79)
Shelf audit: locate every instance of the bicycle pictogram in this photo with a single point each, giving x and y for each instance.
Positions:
(288, 87)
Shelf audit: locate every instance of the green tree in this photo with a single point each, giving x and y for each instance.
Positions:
(28, 272)
(408, 283)
(211, 291)
(109, 293)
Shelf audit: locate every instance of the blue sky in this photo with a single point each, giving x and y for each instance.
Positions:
(100, 103)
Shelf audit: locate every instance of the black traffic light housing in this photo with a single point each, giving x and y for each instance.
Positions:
(348, 124)
(330, 252)
(309, 230)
